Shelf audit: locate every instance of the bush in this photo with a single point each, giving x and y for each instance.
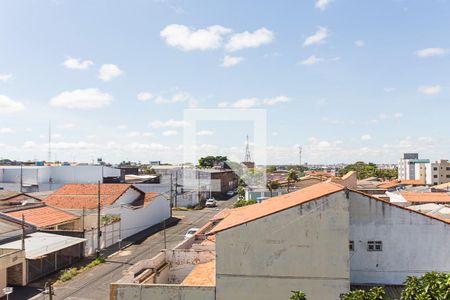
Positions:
(241, 203)
(376, 293)
(298, 295)
(68, 274)
(431, 286)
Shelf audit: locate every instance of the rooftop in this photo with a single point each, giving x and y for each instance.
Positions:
(77, 196)
(427, 197)
(202, 274)
(44, 216)
(237, 216)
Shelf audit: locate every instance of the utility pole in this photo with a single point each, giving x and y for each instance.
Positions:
(176, 188)
(99, 233)
(171, 190)
(300, 156)
(23, 232)
(21, 176)
(165, 239)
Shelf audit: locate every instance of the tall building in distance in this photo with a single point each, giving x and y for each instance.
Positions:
(410, 167)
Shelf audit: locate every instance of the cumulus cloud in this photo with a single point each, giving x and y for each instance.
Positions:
(229, 61)
(5, 77)
(77, 64)
(6, 130)
(366, 137)
(247, 39)
(179, 96)
(360, 43)
(312, 60)
(82, 99)
(108, 72)
(205, 133)
(430, 89)
(254, 102)
(169, 123)
(323, 4)
(8, 105)
(427, 52)
(139, 134)
(170, 133)
(187, 39)
(317, 38)
(144, 96)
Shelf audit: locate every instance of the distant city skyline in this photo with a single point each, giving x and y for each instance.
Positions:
(345, 80)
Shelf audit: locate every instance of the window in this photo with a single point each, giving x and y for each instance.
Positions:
(374, 246)
(351, 246)
(435, 168)
(435, 176)
(447, 168)
(448, 176)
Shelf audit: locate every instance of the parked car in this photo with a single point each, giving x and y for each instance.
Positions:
(230, 193)
(190, 233)
(211, 202)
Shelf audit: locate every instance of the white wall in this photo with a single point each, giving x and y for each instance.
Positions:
(134, 220)
(413, 244)
(302, 248)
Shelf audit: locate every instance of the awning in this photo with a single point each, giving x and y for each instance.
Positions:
(38, 244)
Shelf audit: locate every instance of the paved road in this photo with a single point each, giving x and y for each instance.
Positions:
(94, 283)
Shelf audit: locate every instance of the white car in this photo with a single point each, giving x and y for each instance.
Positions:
(190, 233)
(230, 193)
(210, 202)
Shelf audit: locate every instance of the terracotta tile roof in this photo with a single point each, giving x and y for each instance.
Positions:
(77, 196)
(44, 216)
(395, 183)
(426, 197)
(149, 196)
(202, 275)
(241, 215)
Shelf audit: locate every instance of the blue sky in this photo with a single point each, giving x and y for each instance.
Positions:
(346, 80)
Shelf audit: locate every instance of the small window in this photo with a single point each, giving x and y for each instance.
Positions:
(435, 176)
(351, 246)
(435, 168)
(374, 246)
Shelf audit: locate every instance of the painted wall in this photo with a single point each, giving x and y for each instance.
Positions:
(162, 292)
(302, 248)
(413, 244)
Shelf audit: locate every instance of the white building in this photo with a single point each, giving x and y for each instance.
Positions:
(47, 178)
(320, 240)
(136, 209)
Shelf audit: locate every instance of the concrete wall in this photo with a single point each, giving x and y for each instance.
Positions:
(302, 248)
(413, 244)
(161, 292)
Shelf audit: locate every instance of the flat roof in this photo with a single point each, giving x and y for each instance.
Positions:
(38, 244)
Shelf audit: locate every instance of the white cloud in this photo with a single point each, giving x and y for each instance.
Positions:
(323, 4)
(432, 52)
(66, 126)
(254, 102)
(398, 115)
(312, 60)
(6, 130)
(229, 61)
(247, 39)
(122, 127)
(6, 77)
(276, 100)
(168, 123)
(170, 133)
(178, 96)
(317, 38)
(77, 64)
(82, 99)
(429, 90)
(185, 38)
(360, 43)
(144, 96)
(139, 134)
(108, 72)
(389, 89)
(147, 147)
(366, 137)
(7, 105)
(205, 133)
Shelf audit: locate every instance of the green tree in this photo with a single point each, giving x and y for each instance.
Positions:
(211, 161)
(298, 295)
(241, 192)
(271, 169)
(272, 185)
(431, 286)
(243, 202)
(292, 176)
(376, 293)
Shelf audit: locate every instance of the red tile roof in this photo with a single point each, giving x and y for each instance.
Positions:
(77, 196)
(426, 197)
(395, 183)
(44, 216)
(202, 275)
(241, 215)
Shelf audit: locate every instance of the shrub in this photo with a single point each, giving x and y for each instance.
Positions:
(241, 203)
(376, 293)
(298, 295)
(431, 286)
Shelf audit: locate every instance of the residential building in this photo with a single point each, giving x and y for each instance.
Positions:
(406, 169)
(136, 209)
(48, 178)
(18, 200)
(438, 172)
(321, 240)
